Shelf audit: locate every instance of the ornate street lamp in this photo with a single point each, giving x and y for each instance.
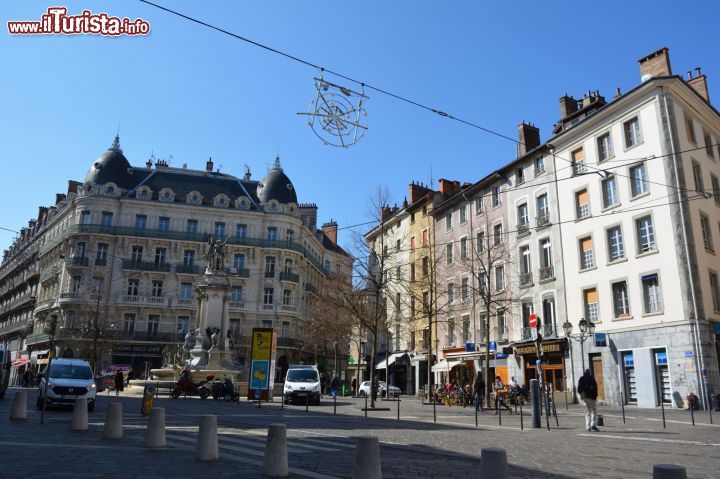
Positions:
(587, 329)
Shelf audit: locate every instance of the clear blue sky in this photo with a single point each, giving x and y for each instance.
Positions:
(192, 93)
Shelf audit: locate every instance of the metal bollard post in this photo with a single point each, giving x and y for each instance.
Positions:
(692, 414)
(499, 411)
(522, 426)
(282, 399)
(335, 404)
(557, 421)
(307, 403)
(476, 419)
(546, 399)
(662, 407)
(434, 412)
(398, 408)
(535, 402)
(622, 405)
(366, 406)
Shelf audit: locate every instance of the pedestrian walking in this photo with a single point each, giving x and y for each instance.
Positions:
(479, 390)
(334, 386)
(354, 386)
(119, 382)
(587, 387)
(500, 393)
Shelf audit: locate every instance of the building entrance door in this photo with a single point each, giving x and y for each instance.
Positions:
(597, 371)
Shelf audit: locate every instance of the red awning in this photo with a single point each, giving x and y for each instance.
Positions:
(18, 363)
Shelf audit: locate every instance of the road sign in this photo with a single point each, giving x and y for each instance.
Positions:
(533, 321)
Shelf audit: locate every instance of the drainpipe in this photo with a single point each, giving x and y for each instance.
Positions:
(696, 332)
(562, 265)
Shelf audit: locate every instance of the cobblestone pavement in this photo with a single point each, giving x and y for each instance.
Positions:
(321, 444)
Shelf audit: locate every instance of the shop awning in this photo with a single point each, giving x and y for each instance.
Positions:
(18, 363)
(391, 360)
(445, 365)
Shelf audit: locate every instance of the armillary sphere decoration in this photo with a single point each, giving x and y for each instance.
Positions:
(333, 115)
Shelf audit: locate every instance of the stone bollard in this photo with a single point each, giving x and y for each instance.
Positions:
(155, 432)
(493, 463)
(114, 422)
(275, 461)
(207, 442)
(19, 406)
(669, 471)
(367, 459)
(79, 421)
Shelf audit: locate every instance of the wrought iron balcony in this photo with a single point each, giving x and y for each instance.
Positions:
(546, 272)
(549, 331)
(543, 220)
(145, 266)
(310, 288)
(100, 261)
(288, 276)
(187, 268)
(526, 278)
(526, 333)
(239, 272)
(236, 305)
(269, 274)
(77, 262)
(190, 302)
(523, 229)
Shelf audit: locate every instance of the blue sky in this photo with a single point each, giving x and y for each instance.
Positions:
(193, 93)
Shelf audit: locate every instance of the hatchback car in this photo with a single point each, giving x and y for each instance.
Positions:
(365, 389)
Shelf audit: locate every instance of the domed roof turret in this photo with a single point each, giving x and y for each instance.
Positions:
(276, 186)
(111, 166)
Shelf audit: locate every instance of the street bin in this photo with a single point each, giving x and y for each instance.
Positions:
(345, 389)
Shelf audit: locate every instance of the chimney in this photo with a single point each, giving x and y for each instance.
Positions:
(161, 164)
(656, 64)
(528, 138)
(41, 211)
(330, 229)
(59, 197)
(447, 186)
(568, 106)
(73, 186)
(699, 84)
(417, 192)
(209, 165)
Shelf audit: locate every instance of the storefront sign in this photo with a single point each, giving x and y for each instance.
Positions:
(139, 349)
(547, 348)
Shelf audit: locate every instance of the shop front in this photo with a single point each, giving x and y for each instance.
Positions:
(553, 364)
(141, 357)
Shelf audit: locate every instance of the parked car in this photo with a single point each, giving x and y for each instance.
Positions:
(365, 389)
(67, 380)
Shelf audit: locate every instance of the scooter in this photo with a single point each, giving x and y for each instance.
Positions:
(188, 388)
(225, 390)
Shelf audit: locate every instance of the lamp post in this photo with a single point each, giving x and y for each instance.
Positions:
(587, 329)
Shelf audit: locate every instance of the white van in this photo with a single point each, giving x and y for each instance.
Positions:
(67, 380)
(302, 383)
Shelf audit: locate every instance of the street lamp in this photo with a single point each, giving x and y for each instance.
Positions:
(587, 329)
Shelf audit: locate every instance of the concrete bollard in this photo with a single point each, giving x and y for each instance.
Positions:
(19, 406)
(114, 421)
(79, 421)
(275, 461)
(493, 463)
(669, 471)
(207, 442)
(367, 459)
(155, 432)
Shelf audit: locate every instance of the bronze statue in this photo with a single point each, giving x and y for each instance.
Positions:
(216, 253)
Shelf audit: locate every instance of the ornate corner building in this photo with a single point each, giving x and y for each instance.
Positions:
(111, 269)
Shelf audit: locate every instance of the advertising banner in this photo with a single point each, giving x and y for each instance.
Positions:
(262, 365)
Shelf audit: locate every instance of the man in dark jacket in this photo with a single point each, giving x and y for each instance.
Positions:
(479, 390)
(587, 387)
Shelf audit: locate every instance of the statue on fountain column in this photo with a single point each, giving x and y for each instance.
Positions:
(216, 254)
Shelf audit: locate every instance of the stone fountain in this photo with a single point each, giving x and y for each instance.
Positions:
(207, 349)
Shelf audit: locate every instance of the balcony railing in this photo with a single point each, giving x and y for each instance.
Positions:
(37, 338)
(236, 305)
(549, 331)
(131, 298)
(187, 268)
(310, 288)
(269, 274)
(546, 272)
(523, 229)
(240, 272)
(526, 333)
(70, 295)
(526, 279)
(268, 307)
(155, 300)
(76, 262)
(543, 220)
(100, 261)
(185, 302)
(287, 342)
(288, 307)
(182, 236)
(288, 276)
(145, 266)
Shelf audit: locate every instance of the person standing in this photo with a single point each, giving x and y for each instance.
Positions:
(354, 386)
(334, 386)
(587, 387)
(119, 382)
(479, 390)
(500, 393)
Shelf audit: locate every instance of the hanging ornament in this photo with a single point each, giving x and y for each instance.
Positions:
(337, 115)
